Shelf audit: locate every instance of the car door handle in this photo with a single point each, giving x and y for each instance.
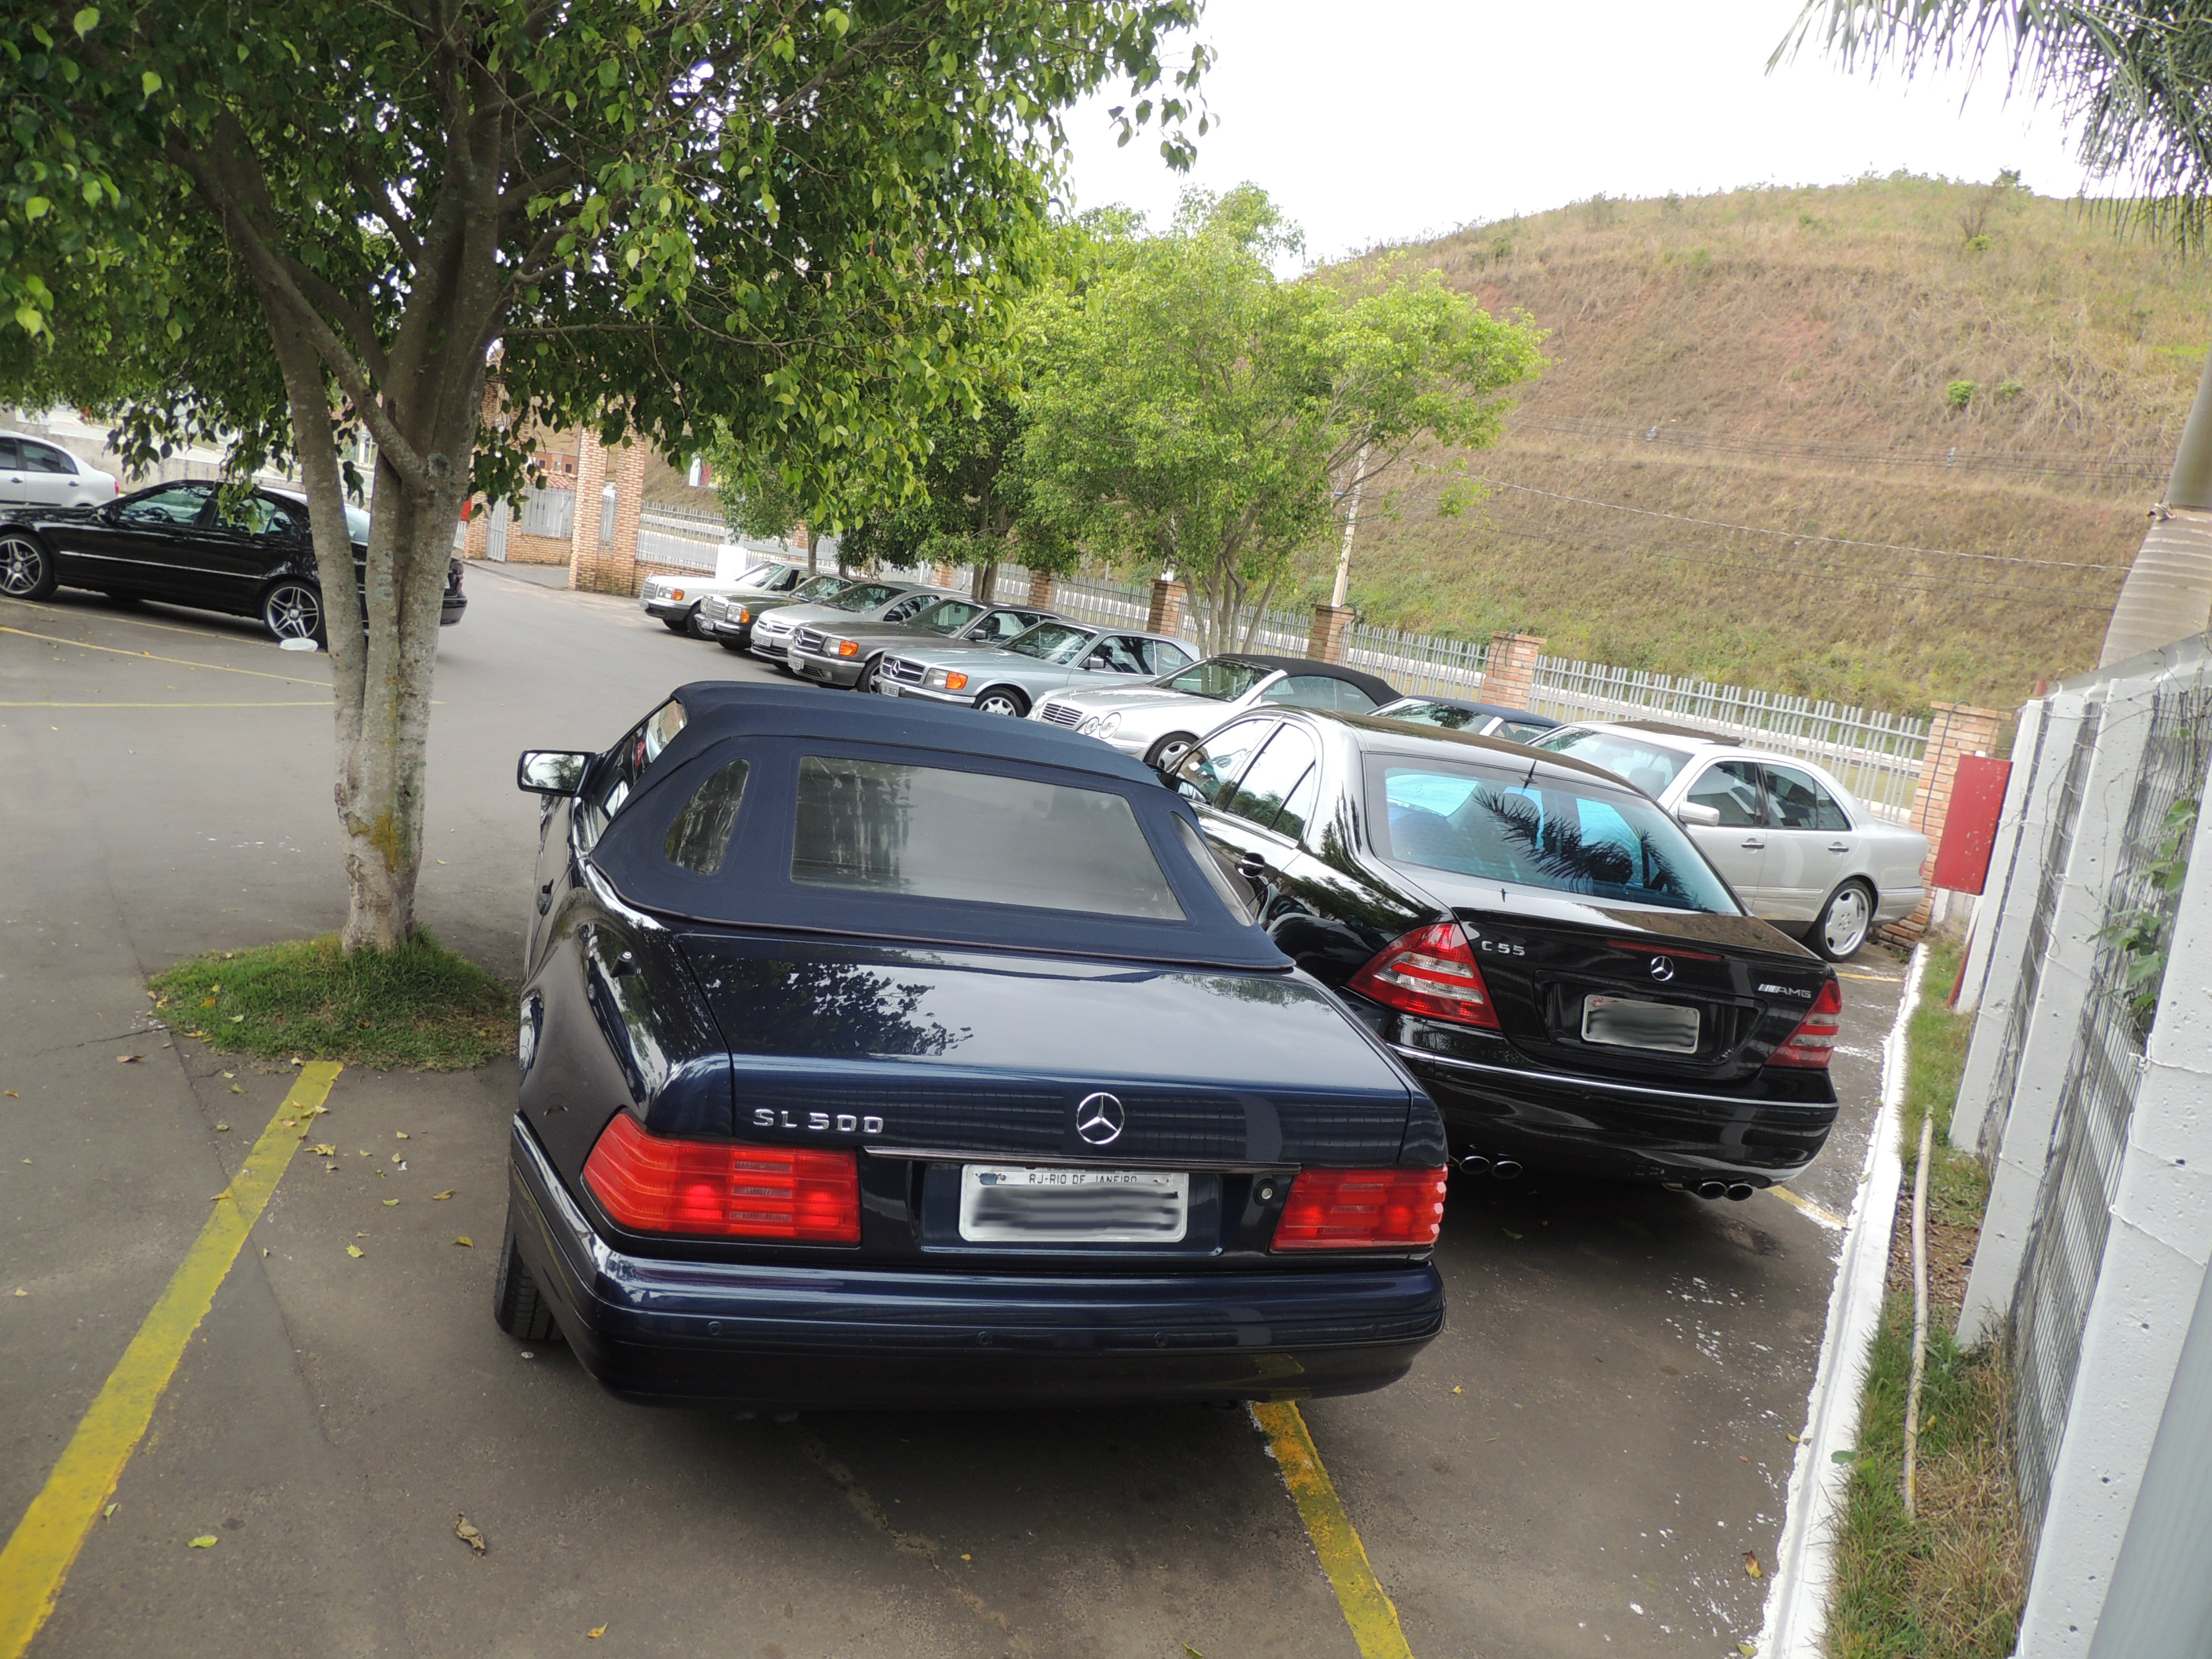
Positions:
(1839, 847)
(1755, 845)
(1251, 865)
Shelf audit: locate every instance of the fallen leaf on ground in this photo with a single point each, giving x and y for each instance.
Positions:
(448, 1192)
(1743, 1460)
(230, 1074)
(399, 1135)
(12, 1095)
(353, 1249)
(466, 1242)
(238, 1019)
(19, 1291)
(389, 1203)
(222, 1128)
(221, 1196)
(1843, 1457)
(236, 1089)
(1509, 1233)
(468, 1535)
(596, 1631)
(128, 1060)
(1790, 1438)
(395, 1157)
(1751, 1564)
(206, 1540)
(108, 1514)
(1458, 1388)
(1190, 1652)
(323, 1149)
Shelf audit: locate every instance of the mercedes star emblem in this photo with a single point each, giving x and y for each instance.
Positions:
(1661, 968)
(1099, 1120)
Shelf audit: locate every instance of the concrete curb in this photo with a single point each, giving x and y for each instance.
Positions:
(1804, 1561)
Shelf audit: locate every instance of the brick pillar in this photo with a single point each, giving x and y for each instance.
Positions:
(1955, 729)
(1509, 677)
(1042, 586)
(584, 528)
(1331, 624)
(1165, 615)
(627, 469)
(941, 575)
(479, 513)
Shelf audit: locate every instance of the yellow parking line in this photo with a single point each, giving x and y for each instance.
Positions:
(1373, 1618)
(147, 656)
(28, 703)
(1820, 1213)
(37, 1557)
(140, 621)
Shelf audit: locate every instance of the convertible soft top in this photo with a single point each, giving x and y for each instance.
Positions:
(765, 872)
(1379, 689)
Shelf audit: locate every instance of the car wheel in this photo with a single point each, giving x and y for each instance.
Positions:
(293, 610)
(517, 1306)
(1167, 754)
(1844, 922)
(730, 643)
(1003, 700)
(681, 624)
(867, 682)
(27, 570)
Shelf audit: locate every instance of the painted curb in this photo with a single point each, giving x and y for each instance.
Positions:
(1804, 1561)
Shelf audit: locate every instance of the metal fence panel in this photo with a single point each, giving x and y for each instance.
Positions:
(548, 513)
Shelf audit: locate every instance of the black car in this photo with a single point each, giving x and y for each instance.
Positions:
(887, 1055)
(189, 543)
(1548, 952)
(1478, 720)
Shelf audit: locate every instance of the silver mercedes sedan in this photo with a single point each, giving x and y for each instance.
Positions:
(1161, 723)
(848, 653)
(1799, 849)
(1009, 679)
(868, 600)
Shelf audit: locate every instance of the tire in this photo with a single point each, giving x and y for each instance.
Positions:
(1844, 922)
(292, 609)
(680, 625)
(517, 1307)
(1168, 752)
(735, 646)
(1002, 700)
(868, 672)
(26, 569)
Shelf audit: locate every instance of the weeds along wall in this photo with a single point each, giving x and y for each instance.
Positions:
(2085, 1087)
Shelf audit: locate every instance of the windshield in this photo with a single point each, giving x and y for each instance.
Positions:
(1217, 678)
(947, 616)
(357, 524)
(1650, 766)
(1053, 641)
(1417, 711)
(1540, 832)
(865, 597)
(820, 587)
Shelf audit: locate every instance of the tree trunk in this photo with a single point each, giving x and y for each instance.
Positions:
(985, 587)
(2168, 595)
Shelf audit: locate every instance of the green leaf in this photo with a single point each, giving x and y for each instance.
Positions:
(87, 20)
(36, 206)
(150, 83)
(28, 319)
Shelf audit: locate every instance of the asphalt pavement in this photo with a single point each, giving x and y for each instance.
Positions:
(1577, 1466)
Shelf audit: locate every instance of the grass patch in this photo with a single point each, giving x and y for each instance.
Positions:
(1952, 1583)
(1937, 1041)
(420, 1007)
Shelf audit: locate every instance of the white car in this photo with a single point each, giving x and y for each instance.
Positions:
(1799, 849)
(1162, 719)
(676, 599)
(35, 473)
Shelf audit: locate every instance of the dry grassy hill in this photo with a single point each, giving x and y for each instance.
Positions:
(1743, 388)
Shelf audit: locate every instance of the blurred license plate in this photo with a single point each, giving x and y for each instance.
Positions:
(887, 687)
(1001, 1206)
(1624, 1023)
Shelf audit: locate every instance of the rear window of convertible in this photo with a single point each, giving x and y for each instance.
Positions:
(975, 837)
(1537, 831)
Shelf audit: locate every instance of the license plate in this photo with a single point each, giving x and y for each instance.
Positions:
(890, 689)
(1624, 1023)
(1005, 1206)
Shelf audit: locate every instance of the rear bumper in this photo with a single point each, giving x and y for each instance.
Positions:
(827, 671)
(1895, 903)
(451, 608)
(1596, 1127)
(719, 1333)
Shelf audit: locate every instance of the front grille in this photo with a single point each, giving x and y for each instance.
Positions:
(905, 670)
(652, 588)
(1061, 714)
(811, 639)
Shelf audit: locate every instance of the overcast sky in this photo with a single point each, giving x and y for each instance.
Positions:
(1390, 119)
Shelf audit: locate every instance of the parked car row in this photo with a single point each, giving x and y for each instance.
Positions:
(246, 552)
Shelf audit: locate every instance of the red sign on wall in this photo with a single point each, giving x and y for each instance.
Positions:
(1970, 827)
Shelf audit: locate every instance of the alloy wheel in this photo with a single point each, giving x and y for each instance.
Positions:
(292, 610)
(1844, 928)
(22, 567)
(999, 703)
(1169, 755)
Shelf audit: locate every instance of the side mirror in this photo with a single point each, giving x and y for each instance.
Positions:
(1691, 815)
(550, 771)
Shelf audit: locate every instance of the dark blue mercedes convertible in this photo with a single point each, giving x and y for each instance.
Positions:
(893, 1057)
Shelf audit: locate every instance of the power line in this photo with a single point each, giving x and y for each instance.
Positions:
(1794, 537)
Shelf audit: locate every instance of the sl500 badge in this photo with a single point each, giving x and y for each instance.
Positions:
(766, 1117)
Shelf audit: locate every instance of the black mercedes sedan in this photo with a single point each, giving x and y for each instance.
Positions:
(1548, 952)
(894, 1056)
(186, 542)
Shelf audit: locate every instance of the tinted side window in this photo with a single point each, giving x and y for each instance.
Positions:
(1307, 691)
(1800, 803)
(11, 456)
(37, 458)
(1269, 781)
(1210, 771)
(179, 504)
(1732, 790)
(1118, 653)
(700, 837)
(1165, 658)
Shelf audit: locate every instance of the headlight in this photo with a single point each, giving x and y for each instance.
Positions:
(944, 679)
(843, 648)
(741, 616)
(1088, 728)
(1109, 726)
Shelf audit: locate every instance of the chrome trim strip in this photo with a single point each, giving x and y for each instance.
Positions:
(1055, 1161)
(1604, 1085)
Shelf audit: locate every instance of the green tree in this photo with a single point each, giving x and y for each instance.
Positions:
(1196, 413)
(282, 222)
(2136, 75)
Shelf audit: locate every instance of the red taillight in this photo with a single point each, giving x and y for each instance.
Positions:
(1430, 972)
(650, 1183)
(1815, 1039)
(1361, 1209)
